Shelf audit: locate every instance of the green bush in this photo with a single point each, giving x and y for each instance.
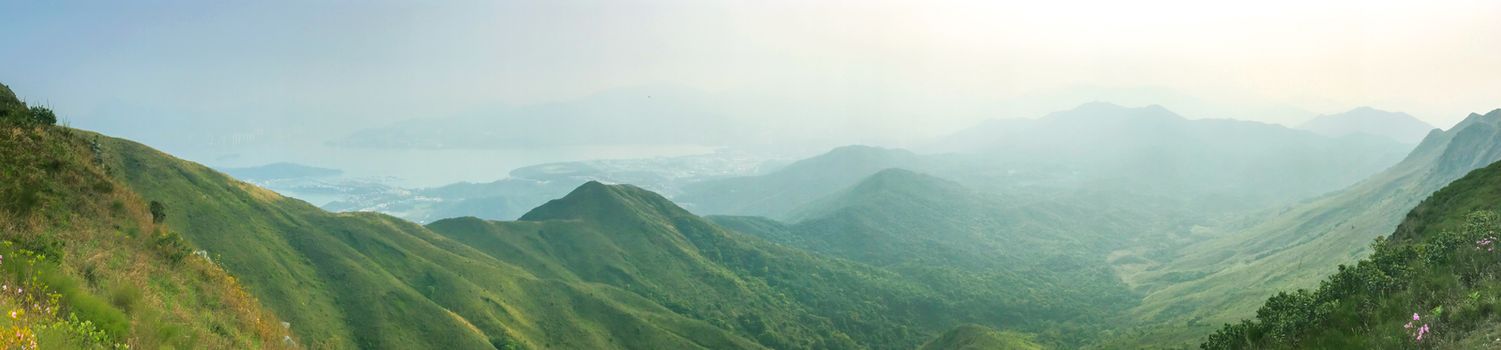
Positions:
(125, 297)
(17, 114)
(42, 116)
(172, 246)
(158, 212)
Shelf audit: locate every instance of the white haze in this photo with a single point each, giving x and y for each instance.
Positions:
(258, 82)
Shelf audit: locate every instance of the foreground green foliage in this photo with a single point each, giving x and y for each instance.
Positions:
(1440, 267)
(1224, 279)
(83, 265)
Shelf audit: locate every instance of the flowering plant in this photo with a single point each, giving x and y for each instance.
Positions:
(1420, 331)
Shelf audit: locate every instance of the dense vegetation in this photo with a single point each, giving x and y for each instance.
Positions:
(637, 241)
(82, 265)
(1011, 259)
(1223, 279)
(1434, 284)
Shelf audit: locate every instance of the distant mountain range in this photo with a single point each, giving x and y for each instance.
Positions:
(1370, 121)
(280, 171)
(531, 186)
(1149, 150)
(1214, 163)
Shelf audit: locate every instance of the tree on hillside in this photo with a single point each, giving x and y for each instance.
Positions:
(158, 212)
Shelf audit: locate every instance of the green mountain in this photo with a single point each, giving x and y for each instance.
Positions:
(86, 263)
(1433, 284)
(604, 267)
(1222, 279)
(637, 241)
(1032, 268)
(779, 193)
(373, 281)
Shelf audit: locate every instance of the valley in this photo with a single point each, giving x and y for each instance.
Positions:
(858, 248)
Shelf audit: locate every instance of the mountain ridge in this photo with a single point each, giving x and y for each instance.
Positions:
(1397, 126)
(1428, 285)
(1290, 247)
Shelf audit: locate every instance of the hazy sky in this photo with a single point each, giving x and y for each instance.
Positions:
(880, 70)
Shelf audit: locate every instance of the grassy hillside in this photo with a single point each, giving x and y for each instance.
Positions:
(1439, 275)
(372, 281)
(1032, 265)
(605, 267)
(1223, 279)
(84, 264)
(629, 238)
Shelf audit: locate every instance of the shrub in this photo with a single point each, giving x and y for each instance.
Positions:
(125, 297)
(42, 116)
(158, 212)
(172, 246)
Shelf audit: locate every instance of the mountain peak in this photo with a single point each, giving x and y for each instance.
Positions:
(1105, 111)
(863, 150)
(892, 186)
(857, 157)
(1398, 126)
(898, 180)
(594, 200)
(898, 176)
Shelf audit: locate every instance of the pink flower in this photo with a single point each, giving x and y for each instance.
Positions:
(1414, 316)
(1422, 331)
